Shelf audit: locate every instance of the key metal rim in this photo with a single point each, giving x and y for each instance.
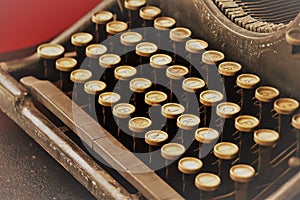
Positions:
(207, 182)
(50, 51)
(226, 150)
(65, 64)
(189, 165)
(242, 173)
(81, 39)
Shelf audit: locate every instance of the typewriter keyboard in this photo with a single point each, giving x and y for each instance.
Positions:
(208, 127)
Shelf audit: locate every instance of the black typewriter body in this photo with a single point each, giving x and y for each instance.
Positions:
(87, 141)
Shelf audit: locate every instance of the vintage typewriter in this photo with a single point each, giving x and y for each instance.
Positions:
(192, 99)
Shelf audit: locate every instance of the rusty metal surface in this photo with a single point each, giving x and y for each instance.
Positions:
(18, 106)
(102, 142)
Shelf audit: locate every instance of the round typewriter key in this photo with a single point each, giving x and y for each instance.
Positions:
(172, 151)
(134, 4)
(108, 99)
(266, 137)
(177, 72)
(133, 11)
(130, 38)
(192, 88)
(155, 98)
(242, 173)
(156, 137)
(94, 87)
(189, 165)
(206, 135)
(125, 72)
(248, 84)
(172, 110)
(229, 68)
(180, 34)
(246, 123)
(196, 46)
(212, 57)
(123, 110)
(80, 75)
(210, 60)
(95, 50)
(286, 106)
(81, 39)
(193, 84)
(146, 49)
(109, 60)
(266, 93)
(266, 96)
(102, 17)
(187, 124)
(226, 153)
(115, 27)
(229, 71)
(207, 182)
(160, 60)
(210, 97)
(188, 121)
(296, 121)
(296, 125)
(228, 110)
(164, 23)
(226, 150)
(247, 81)
(149, 12)
(50, 51)
(140, 85)
(65, 66)
(139, 124)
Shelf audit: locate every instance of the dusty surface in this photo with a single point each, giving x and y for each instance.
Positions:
(28, 172)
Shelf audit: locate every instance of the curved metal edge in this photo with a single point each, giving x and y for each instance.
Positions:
(81, 24)
(54, 141)
(287, 191)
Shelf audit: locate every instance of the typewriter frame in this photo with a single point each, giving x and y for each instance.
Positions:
(18, 105)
